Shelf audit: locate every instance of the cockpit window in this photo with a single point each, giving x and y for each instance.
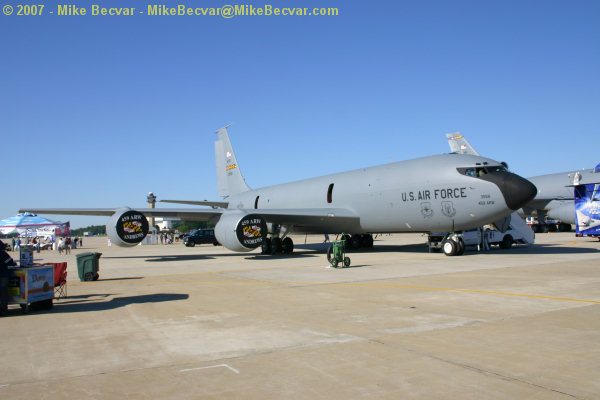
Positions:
(469, 172)
(479, 171)
(496, 168)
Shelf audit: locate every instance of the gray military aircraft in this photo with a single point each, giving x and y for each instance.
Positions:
(440, 193)
(555, 195)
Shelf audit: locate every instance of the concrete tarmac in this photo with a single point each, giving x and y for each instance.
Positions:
(172, 322)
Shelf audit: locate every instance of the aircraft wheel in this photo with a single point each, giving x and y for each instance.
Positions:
(460, 247)
(265, 247)
(346, 261)
(287, 245)
(367, 241)
(276, 246)
(348, 240)
(355, 241)
(506, 242)
(562, 227)
(552, 228)
(449, 246)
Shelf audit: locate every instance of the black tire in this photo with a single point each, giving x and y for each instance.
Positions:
(552, 228)
(215, 243)
(367, 241)
(562, 227)
(460, 247)
(329, 253)
(265, 247)
(191, 243)
(96, 276)
(88, 277)
(449, 247)
(347, 239)
(346, 261)
(506, 243)
(287, 245)
(355, 241)
(276, 246)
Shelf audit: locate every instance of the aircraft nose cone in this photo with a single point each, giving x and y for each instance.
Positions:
(517, 191)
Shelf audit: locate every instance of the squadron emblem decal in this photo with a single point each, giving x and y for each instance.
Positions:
(426, 209)
(448, 209)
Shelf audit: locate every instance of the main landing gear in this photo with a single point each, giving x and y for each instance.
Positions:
(359, 241)
(277, 245)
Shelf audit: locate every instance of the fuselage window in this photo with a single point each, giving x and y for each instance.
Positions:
(330, 193)
(256, 202)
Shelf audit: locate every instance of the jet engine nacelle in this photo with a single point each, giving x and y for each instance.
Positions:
(565, 212)
(241, 232)
(127, 227)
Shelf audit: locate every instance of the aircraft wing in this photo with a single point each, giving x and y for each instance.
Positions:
(222, 204)
(313, 220)
(185, 214)
(316, 220)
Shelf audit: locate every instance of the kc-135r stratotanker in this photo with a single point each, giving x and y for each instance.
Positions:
(440, 193)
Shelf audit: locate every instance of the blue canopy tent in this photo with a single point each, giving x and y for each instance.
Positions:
(24, 223)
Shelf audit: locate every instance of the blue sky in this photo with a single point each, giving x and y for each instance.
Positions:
(96, 111)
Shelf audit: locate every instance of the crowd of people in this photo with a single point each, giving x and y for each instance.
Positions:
(62, 244)
(168, 238)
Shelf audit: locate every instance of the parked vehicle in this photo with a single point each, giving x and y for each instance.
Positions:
(200, 236)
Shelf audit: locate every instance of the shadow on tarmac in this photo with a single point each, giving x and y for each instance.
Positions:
(122, 279)
(117, 302)
(194, 257)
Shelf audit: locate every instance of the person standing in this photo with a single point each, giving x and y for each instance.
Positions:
(68, 245)
(5, 262)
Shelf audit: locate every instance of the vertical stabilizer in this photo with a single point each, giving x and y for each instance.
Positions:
(229, 177)
(458, 144)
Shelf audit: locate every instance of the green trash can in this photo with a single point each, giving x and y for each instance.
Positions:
(88, 266)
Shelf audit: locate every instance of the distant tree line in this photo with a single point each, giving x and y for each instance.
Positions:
(94, 230)
(182, 227)
(187, 226)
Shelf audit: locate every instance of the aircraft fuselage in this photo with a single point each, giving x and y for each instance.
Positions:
(421, 195)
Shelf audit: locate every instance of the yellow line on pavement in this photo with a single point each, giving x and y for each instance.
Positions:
(389, 286)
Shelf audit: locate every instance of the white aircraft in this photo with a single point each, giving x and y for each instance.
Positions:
(441, 193)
